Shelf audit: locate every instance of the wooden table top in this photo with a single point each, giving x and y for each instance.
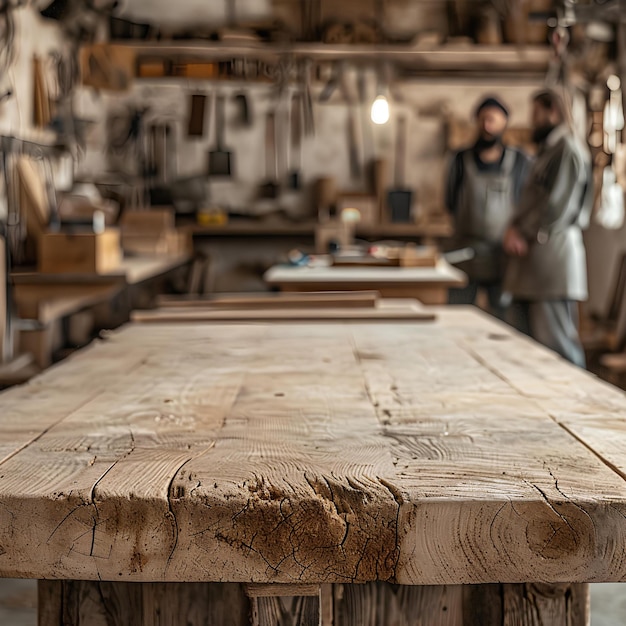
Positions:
(449, 452)
(443, 274)
(138, 269)
(132, 270)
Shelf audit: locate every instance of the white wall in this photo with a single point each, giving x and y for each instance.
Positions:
(325, 154)
(191, 12)
(34, 36)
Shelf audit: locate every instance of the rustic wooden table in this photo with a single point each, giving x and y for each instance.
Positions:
(450, 473)
(429, 285)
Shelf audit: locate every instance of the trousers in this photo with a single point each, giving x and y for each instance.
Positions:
(553, 323)
(467, 295)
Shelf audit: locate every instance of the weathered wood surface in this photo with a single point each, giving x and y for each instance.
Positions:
(422, 454)
(94, 603)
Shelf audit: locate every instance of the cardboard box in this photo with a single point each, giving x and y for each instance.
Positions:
(80, 253)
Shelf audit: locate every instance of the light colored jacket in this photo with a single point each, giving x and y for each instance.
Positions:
(554, 208)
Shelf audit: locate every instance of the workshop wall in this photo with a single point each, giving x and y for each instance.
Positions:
(32, 36)
(426, 104)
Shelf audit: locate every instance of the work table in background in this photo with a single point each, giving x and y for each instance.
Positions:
(250, 464)
(45, 300)
(429, 285)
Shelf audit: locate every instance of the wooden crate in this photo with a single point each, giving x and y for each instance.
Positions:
(80, 253)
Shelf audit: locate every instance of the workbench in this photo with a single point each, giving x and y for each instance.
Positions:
(47, 299)
(429, 285)
(450, 473)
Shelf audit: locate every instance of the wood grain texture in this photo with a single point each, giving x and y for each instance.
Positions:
(92, 603)
(538, 604)
(286, 611)
(75, 603)
(441, 454)
(380, 604)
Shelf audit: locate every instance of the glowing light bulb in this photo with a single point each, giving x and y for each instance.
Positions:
(380, 110)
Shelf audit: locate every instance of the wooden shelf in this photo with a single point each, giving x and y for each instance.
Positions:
(254, 228)
(450, 57)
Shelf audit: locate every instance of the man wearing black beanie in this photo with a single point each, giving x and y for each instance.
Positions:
(483, 187)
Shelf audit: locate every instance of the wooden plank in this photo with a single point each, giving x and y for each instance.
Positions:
(380, 604)
(428, 294)
(273, 228)
(482, 605)
(198, 315)
(81, 603)
(358, 299)
(286, 611)
(539, 604)
(50, 602)
(268, 591)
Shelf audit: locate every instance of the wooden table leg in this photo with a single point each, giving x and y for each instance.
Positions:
(76, 603)
(79, 603)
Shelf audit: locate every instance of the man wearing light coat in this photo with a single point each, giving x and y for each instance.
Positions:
(547, 273)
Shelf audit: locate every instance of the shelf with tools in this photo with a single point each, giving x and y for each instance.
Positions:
(118, 60)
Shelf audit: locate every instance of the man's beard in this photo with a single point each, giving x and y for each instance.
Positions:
(488, 142)
(540, 134)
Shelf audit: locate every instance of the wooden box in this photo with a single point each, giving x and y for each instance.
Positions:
(150, 222)
(335, 231)
(169, 243)
(80, 253)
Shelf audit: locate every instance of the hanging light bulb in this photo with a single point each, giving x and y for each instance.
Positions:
(380, 110)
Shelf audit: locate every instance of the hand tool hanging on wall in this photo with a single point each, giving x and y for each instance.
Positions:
(400, 199)
(220, 159)
(367, 129)
(270, 189)
(295, 144)
(333, 82)
(197, 115)
(354, 137)
(307, 100)
(244, 109)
